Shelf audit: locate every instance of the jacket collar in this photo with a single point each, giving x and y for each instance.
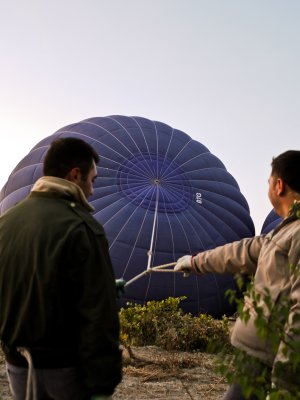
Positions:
(52, 184)
(293, 215)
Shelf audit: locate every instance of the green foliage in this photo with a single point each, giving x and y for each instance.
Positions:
(163, 323)
(271, 321)
(239, 367)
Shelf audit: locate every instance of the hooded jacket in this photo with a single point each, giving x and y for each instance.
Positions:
(57, 286)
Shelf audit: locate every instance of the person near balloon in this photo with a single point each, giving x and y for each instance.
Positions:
(270, 258)
(59, 325)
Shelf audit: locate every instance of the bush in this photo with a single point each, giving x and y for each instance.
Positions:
(163, 323)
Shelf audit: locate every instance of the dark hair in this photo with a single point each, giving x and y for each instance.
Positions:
(67, 153)
(287, 167)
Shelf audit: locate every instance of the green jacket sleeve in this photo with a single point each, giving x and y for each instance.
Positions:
(95, 305)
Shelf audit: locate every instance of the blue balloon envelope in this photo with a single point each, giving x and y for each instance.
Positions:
(160, 195)
(270, 223)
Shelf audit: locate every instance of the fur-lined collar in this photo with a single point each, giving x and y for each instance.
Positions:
(62, 186)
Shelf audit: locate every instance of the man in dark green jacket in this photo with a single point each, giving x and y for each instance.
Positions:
(57, 286)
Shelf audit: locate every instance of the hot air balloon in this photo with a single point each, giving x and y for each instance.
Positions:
(160, 195)
(271, 221)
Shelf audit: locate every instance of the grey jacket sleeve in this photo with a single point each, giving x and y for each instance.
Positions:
(236, 257)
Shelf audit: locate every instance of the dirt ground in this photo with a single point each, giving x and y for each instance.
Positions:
(153, 373)
(4, 389)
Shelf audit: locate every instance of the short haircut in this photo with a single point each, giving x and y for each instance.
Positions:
(287, 167)
(67, 153)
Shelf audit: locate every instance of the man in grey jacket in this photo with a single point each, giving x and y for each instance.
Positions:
(270, 257)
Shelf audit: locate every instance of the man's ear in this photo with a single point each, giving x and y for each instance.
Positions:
(280, 187)
(74, 175)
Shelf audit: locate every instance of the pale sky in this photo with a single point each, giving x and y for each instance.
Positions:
(227, 73)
